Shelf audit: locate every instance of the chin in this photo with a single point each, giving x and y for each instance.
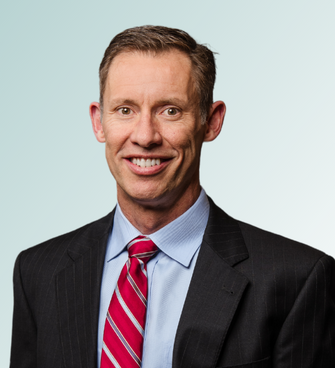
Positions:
(147, 196)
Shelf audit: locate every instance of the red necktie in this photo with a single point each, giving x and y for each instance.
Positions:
(125, 321)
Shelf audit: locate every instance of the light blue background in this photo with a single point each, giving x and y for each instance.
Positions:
(272, 166)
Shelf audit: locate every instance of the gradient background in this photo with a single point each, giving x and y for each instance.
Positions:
(272, 166)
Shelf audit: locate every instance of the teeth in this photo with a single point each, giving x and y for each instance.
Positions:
(141, 162)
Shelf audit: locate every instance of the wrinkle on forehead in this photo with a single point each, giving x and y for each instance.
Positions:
(165, 80)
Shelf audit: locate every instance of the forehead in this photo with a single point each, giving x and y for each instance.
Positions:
(163, 73)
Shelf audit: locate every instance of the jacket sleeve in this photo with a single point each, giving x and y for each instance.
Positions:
(307, 338)
(24, 333)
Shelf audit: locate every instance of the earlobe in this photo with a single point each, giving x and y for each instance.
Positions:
(215, 120)
(95, 114)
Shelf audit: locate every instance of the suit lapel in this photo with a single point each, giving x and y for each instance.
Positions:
(78, 294)
(214, 294)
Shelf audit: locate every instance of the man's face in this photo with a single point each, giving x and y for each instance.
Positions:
(151, 126)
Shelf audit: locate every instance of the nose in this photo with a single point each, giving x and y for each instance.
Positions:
(146, 132)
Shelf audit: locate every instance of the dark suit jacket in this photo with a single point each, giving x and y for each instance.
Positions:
(255, 300)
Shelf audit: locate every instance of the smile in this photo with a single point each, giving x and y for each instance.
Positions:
(149, 162)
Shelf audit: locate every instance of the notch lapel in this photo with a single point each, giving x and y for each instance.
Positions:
(215, 291)
(78, 295)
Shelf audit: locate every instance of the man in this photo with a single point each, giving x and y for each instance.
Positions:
(201, 289)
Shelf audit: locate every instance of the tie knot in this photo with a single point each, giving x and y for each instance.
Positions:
(142, 248)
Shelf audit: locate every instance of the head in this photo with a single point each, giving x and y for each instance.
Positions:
(151, 88)
(158, 39)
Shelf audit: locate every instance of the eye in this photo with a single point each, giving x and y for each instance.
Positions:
(171, 111)
(125, 110)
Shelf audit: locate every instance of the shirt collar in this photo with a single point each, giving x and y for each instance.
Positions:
(179, 239)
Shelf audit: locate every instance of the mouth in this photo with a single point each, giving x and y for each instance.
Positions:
(149, 162)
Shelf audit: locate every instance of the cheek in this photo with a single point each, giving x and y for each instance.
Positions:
(112, 149)
(193, 149)
(115, 139)
(191, 141)
(179, 137)
(188, 148)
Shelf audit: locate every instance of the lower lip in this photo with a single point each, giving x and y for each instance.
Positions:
(147, 170)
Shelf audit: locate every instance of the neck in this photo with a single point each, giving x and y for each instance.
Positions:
(151, 215)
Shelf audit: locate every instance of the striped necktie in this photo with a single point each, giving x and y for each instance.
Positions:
(125, 321)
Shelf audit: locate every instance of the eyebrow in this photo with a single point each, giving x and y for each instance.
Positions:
(121, 101)
(169, 101)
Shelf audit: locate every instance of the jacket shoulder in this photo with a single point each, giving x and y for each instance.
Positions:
(268, 243)
(261, 246)
(52, 254)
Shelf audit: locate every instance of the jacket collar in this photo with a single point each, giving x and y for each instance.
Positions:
(214, 294)
(224, 236)
(78, 294)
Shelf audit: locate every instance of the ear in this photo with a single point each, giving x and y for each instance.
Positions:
(95, 114)
(215, 121)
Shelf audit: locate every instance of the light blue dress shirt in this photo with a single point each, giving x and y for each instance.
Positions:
(169, 274)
